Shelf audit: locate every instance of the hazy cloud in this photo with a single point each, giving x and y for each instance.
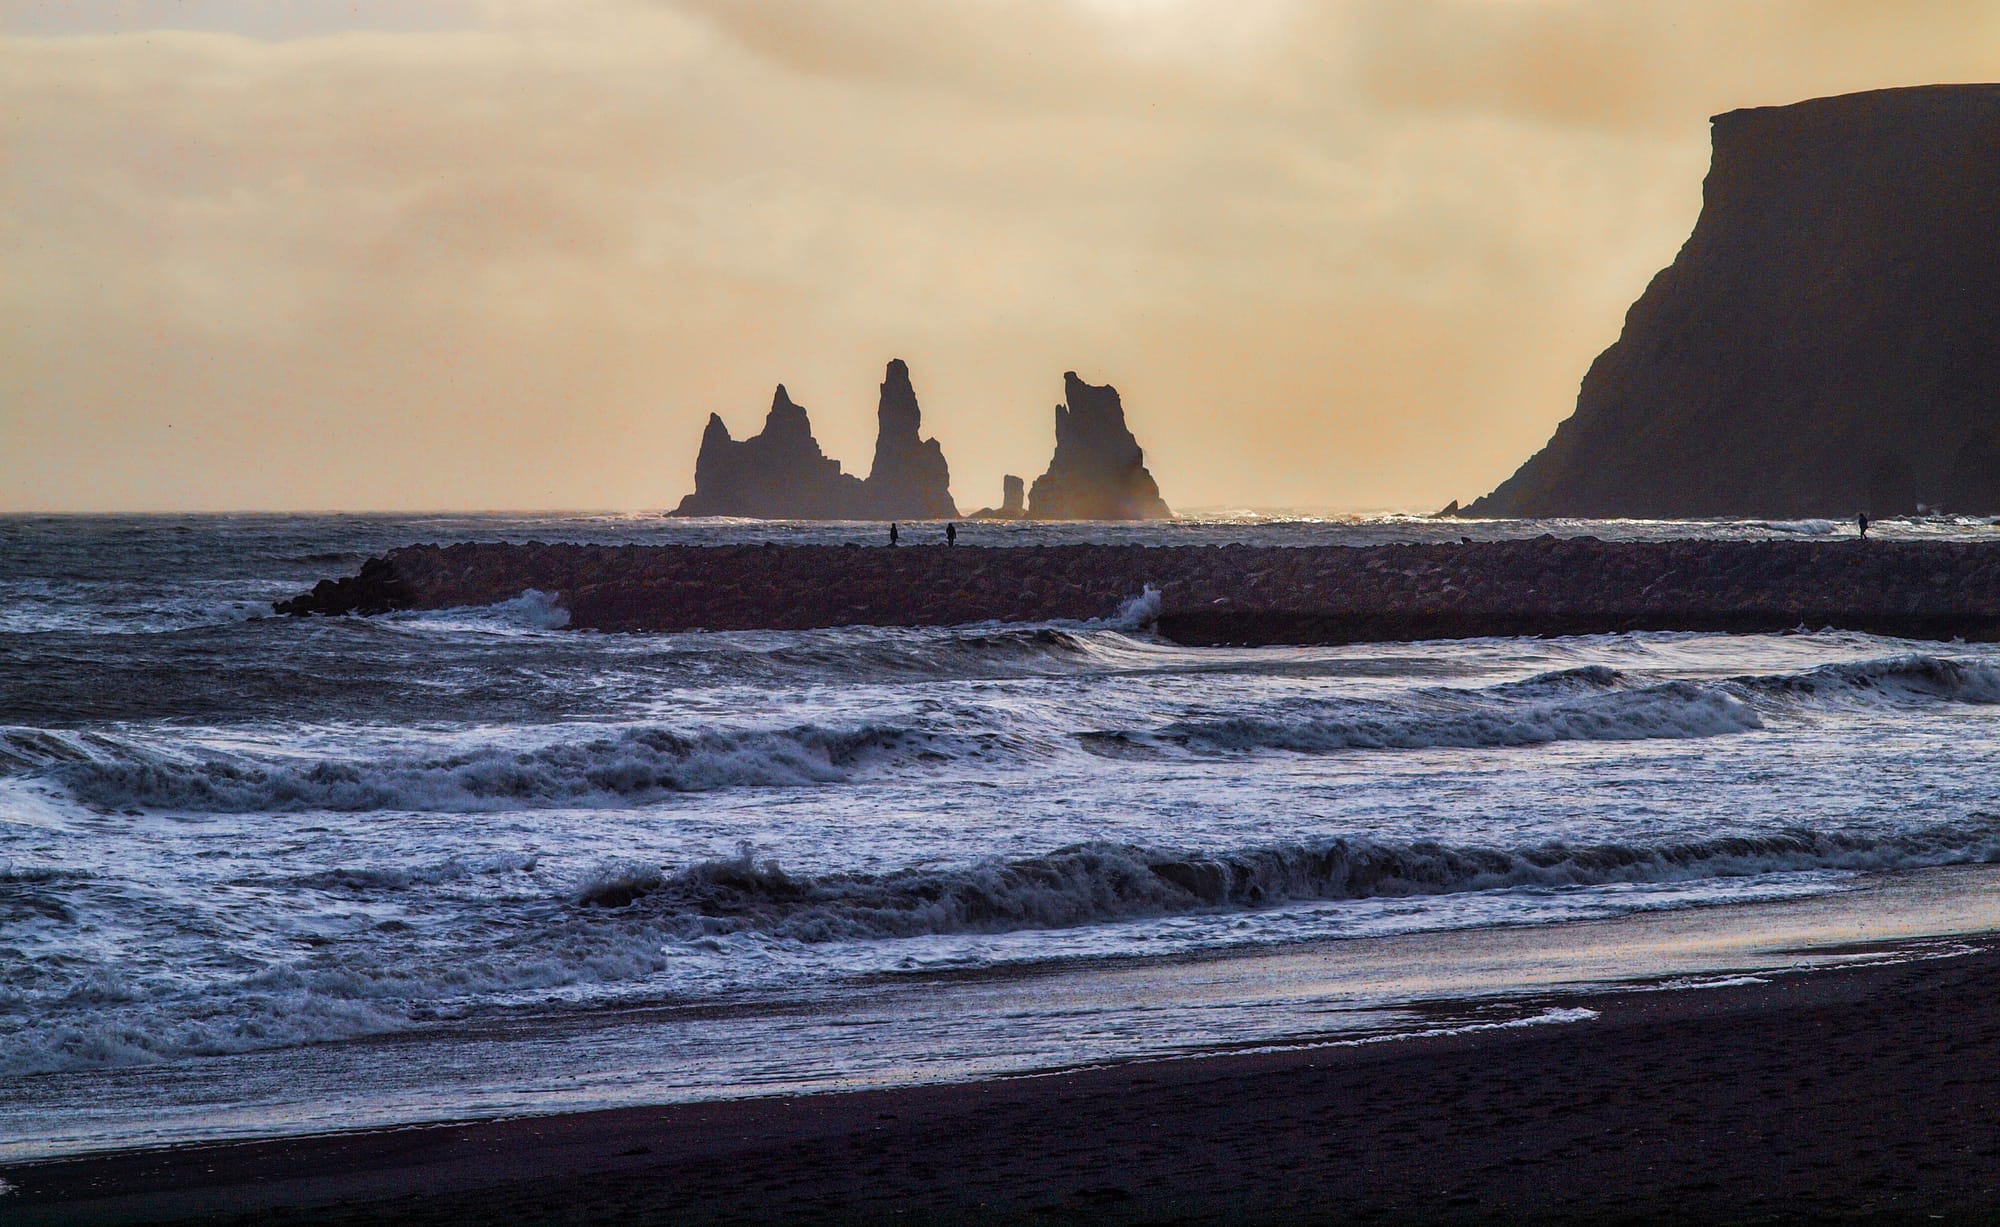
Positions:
(1340, 254)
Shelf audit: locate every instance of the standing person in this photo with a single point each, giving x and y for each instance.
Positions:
(892, 534)
(950, 534)
(1862, 520)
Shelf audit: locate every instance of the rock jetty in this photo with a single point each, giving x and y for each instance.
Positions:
(1219, 595)
(1098, 471)
(1825, 343)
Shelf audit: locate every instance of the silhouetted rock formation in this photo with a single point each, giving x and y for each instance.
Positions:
(1012, 506)
(781, 474)
(910, 479)
(778, 473)
(1098, 471)
(1826, 342)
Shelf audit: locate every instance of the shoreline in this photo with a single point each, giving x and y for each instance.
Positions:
(1855, 1091)
(1216, 595)
(1825, 1043)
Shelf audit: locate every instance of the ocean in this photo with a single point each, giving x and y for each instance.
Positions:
(262, 875)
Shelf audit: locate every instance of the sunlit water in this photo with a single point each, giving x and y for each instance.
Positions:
(261, 874)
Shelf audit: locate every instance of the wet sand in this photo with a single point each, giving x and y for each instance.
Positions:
(1864, 1094)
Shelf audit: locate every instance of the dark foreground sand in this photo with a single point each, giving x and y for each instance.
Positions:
(1865, 1095)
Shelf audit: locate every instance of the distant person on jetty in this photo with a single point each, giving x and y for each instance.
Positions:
(1862, 520)
(892, 534)
(951, 534)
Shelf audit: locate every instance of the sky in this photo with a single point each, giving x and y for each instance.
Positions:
(430, 254)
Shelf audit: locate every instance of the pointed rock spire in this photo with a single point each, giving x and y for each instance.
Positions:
(909, 479)
(778, 473)
(1098, 471)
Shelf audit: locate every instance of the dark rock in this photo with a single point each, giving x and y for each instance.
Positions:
(778, 473)
(378, 588)
(910, 479)
(1825, 343)
(781, 474)
(1098, 471)
(1012, 506)
(1236, 595)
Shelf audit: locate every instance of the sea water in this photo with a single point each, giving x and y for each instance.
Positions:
(261, 874)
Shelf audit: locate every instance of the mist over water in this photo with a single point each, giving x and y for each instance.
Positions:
(225, 835)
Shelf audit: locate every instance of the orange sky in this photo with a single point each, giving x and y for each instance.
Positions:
(511, 253)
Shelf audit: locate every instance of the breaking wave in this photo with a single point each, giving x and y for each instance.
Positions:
(1104, 882)
(1666, 710)
(630, 766)
(532, 610)
(848, 652)
(1914, 677)
(1589, 703)
(1137, 613)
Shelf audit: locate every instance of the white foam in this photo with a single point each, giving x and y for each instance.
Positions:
(532, 610)
(1555, 1016)
(1139, 612)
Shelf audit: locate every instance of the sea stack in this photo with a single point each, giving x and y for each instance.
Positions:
(1013, 505)
(1013, 496)
(910, 479)
(781, 474)
(778, 473)
(1098, 471)
(1827, 342)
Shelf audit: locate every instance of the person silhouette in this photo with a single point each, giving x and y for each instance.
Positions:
(892, 532)
(951, 534)
(1862, 520)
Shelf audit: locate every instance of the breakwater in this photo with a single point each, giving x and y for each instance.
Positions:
(1218, 594)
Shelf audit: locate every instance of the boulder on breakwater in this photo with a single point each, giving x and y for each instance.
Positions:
(1218, 594)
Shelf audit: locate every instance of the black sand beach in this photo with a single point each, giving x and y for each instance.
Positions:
(1864, 1094)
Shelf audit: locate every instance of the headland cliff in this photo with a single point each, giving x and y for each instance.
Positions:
(1826, 341)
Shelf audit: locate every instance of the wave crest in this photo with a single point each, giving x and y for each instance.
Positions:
(630, 766)
(1914, 677)
(1666, 710)
(1105, 882)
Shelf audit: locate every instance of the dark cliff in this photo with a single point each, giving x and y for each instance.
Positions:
(1825, 343)
(909, 479)
(1098, 471)
(781, 474)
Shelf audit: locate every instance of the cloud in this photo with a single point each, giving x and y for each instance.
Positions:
(1651, 64)
(1352, 253)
